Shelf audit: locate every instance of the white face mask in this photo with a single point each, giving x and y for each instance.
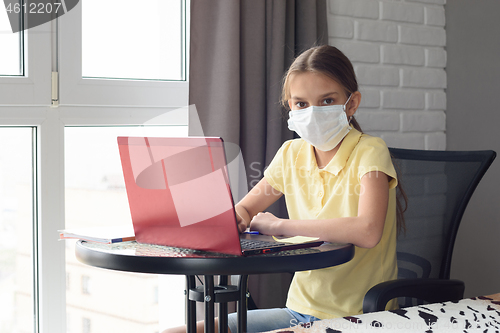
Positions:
(321, 126)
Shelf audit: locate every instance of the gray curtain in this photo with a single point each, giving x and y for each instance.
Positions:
(240, 50)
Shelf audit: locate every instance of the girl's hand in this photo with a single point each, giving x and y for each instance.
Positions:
(258, 199)
(242, 226)
(266, 223)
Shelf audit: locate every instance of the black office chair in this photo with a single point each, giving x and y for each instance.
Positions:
(438, 185)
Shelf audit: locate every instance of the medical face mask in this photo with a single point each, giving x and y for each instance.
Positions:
(321, 126)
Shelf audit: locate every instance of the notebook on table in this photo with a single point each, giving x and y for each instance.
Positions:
(179, 195)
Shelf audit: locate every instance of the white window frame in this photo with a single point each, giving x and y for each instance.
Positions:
(26, 101)
(75, 90)
(33, 88)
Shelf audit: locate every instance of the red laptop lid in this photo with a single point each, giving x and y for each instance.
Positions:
(179, 194)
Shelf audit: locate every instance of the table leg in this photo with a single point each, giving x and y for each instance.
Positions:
(209, 296)
(223, 281)
(242, 304)
(190, 305)
(209, 304)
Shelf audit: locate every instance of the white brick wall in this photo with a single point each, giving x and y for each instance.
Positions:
(398, 51)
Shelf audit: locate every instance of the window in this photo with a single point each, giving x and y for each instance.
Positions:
(148, 46)
(86, 285)
(95, 195)
(11, 62)
(86, 325)
(99, 42)
(16, 229)
(86, 106)
(21, 81)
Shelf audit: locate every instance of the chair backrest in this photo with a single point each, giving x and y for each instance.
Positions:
(438, 185)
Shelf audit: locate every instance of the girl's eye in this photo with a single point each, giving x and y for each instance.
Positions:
(301, 104)
(328, 101)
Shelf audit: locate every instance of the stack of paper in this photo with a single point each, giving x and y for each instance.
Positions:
(105, 235)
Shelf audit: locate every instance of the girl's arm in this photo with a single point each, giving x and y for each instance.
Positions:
(364, 230)
(257, 200)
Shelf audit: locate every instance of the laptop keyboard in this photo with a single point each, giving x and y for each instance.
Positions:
(250, 244)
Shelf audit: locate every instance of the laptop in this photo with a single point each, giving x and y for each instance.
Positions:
(179, 195)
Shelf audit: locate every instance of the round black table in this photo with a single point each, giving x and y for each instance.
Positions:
(146, 258)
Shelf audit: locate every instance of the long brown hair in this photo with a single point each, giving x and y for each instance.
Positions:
(331, 62)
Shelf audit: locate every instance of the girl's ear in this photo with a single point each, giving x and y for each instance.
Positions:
(353, 104)
(290, 104)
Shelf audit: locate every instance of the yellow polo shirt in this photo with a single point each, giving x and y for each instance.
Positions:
(331, 192)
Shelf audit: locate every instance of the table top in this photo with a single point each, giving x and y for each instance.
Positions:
(146, 258)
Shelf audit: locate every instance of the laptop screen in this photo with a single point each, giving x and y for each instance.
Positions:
(179, 193)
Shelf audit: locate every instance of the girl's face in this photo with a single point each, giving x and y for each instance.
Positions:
(311, 88)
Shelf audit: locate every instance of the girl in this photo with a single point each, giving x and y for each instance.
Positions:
(339, 185)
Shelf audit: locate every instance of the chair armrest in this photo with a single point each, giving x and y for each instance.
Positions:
(430, 290)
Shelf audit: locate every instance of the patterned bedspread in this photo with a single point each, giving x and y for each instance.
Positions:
(477, 314)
